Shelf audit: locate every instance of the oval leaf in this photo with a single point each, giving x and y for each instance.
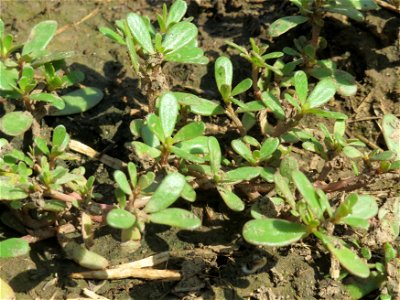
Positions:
(16, 122)
(178, 36)
(189, 131)
(241, 174)
(176, 12)
(168, 112)
(242, 86)
(244, 151)
(273, 232)
(120, 218)
(306, 189)
(268, 148)
(176, 217)
(140, 32)
(231, 199)
(167, 193)
(322, 93)
(215, 154)
(223, 72)
(284, 24)
(199, 105)
(40, 36)
(122, 182)
(13, 247)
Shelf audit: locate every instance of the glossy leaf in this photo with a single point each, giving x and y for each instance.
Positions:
(243, 150)
(168, 112)
(111, 34)
(352, 152)
(122, 181)
(79, 101)
(132, 171)
(267, 174)
(187, 155)
(322, 93)
(242, 86)
(301, 86)
(146, 180)
(167, 193)
(391, 133)
(39, 37)
(8, 78)
(60, 139)
(231, 199)
(215, 154)
(199, 105)
(120, 218)
(189, 131)
(16, 123)
(268, 148)
(144, 151)
(346, 257)
(13, 247)
(241, 174)
(364, 208)
(273, 232)
(176, 12)
(178, 36)
(188, 193)
(8, 191)
(153, 123)
(326, 114)
(273, 104)
(198, 145)
(283, 189)
(54, 100)
(284, 24)
(176, 217)
(306, 189)
(223, 72)
(140, 32)
(188, 55)
(52, 57)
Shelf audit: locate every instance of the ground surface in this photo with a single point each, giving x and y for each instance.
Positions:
(214, 254)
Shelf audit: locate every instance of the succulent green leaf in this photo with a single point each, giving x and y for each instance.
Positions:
(231, 199)
(272, 102)
(51, 57)
(215, 154)
(8, 78)
(168, 112)
(153, 123)
(13, 247)
(60, 138)
(111, 34)
(198, 145)
(187, 155)
(301, 86)
(144, 151)
(383, 156)
(273, 232)
(176, 12)
(132, 171)
(54, 100)
(16, 123)
(41, 144)
(252, 106)
(199, 105)
(352, 152)
(8, 191)
(188, 193)
(284, 24)
(241, 174)
(176, 217)
(167, 193)
(223, 72)
(242, 86)
(322, 93)
(307, 190)
(364, 208)
(391, 133)
(178, 36)
(346, 257)
(326, 114)
(243, 150)
(120, 218)
(140, 32)
(39, 37)
(188, 54)
(348, 12)
(189, 131)
(79, 101)
(146, 180)
(267, 173)
(268, 148)
(122, 182)
(283, 189)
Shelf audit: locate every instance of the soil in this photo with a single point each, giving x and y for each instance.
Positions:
(215, 255)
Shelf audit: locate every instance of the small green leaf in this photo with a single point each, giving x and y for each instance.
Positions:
(306, 189)
(13, 247)
(79, 101)
(120, 218)
(199, 105)
(364, 208)
(176, 217)
(51, 57)
(122, 182)
(16, 123)
(252, 106)
(146, 180)
(352, 152)
(215, 154)
(273, 104)
(231, 199)
(268, 148)
(322, 93)
(391, 133)
(153, 123)
(132, 171)
(167, 193)
(54, 100)
(144, 151)
(242, 86)
(243, 150)
(301, 86)
(273, 232)
(346, 257)
(140, 32)
(176, 12)
(188, 54)
(111, 34)
(41, 144)
(168, 112)
(178, 36)
(267, 173)
(8, 78)
(283, 189)
(284, 24)
(60, 138)
(241, 174)
(186, 155)
(198, 145)
(188, 193)
(8, 191)
(189, 131)
(223, 72)
(39, 37)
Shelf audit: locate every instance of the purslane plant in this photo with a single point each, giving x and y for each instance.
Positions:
(33, 77)
(148, 48)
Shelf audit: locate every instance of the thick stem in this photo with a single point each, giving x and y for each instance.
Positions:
(232, 115)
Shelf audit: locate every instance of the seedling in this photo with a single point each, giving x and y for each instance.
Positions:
(34, 77)
(315, 216)
(148, 48)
